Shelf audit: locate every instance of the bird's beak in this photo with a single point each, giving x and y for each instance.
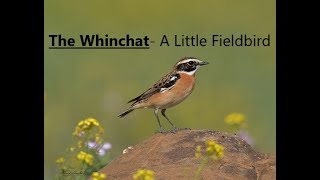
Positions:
(203, 63)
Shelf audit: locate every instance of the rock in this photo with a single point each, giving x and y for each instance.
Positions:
(172, 156)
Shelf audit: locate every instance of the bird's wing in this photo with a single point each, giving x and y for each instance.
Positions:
(165, 83)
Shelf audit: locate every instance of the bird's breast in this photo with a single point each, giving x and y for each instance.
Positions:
(178, 93)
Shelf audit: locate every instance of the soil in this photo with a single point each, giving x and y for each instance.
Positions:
(172, 156)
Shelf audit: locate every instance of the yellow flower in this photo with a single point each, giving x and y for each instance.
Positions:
(220, 154)
(72, 149)
(60, 160)
(198, 153)
(86, 124)
(214, 150)
(144, 174)
(209, 151)
(86, 157)
(235, 119)
(98, 176)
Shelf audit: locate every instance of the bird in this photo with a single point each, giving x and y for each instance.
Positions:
(169, 91)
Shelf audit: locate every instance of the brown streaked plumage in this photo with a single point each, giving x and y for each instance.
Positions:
(170, 90)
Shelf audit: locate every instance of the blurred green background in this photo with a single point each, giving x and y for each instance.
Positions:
(98, 83)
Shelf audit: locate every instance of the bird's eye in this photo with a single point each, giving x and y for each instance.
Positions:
(190, 62)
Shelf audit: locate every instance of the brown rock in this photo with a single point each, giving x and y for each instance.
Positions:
(172, 156)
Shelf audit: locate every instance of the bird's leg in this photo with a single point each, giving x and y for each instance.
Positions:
(156, 114)
(163, 112)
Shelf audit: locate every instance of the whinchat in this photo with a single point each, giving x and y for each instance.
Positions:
(170, 90)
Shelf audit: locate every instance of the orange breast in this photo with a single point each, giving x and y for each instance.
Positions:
(181, 90)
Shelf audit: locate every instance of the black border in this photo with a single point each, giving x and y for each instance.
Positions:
(290, 149)
(281, 51)
(23, 90)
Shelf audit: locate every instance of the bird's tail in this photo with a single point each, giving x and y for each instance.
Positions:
(126, 112)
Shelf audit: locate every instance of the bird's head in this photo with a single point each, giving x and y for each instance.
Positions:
(189, 65)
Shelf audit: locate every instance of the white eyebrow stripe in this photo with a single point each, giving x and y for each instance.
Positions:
(187, 60)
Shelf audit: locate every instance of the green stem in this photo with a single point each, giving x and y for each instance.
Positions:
(203, 162)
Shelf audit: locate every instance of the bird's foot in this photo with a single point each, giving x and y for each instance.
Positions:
(161, 131)
(175, 129)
